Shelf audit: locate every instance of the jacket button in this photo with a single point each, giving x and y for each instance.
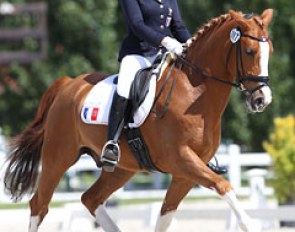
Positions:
(161, 6)
(162, 27)
(162, 16)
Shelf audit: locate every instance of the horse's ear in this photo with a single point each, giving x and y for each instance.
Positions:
(241, 22)
(266, 16)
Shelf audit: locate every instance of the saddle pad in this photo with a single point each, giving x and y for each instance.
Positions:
(97, 104)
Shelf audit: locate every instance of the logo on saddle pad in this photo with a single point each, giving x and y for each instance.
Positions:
(90, 116)
(96, 107)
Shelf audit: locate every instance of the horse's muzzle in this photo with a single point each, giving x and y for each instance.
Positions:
(259, 100)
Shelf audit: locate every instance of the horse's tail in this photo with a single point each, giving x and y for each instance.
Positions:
(23, 161)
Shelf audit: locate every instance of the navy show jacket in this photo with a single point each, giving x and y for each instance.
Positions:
(148, 22)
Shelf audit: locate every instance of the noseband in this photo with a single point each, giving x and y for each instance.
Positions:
(235, 37)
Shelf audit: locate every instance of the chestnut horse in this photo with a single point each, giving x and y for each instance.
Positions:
(231, 50)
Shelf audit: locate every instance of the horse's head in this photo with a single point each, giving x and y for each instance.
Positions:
(249, 37)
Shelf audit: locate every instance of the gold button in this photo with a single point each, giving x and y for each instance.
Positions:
(162, 27)
(162, 16)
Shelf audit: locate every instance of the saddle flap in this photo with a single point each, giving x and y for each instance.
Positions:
(140, 87)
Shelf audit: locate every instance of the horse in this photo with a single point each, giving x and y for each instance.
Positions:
(231, 50)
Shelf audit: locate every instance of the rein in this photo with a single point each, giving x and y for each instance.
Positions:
(204, 74)
(167, 101)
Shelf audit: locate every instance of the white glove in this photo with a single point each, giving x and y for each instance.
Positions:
(172, 45)
(189, 42)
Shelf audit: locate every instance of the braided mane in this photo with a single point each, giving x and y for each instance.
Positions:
(213, 23)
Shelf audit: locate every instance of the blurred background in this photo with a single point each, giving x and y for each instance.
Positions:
(41, 41)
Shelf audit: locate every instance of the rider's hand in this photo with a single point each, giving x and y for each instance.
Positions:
(172, 45)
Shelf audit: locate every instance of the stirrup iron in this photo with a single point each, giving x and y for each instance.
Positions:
(216, 168)
(110, 156)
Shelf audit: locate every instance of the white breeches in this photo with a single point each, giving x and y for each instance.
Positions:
(130, 64)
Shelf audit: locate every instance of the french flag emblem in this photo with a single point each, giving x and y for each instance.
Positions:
(85, 113)
(94, 114)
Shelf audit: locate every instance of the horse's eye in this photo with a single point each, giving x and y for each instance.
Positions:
(250, 52)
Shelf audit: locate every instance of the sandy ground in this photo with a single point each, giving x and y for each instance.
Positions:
(192, 217)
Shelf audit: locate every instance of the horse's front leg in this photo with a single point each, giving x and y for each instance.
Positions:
(177, 190)
(245, 222)
(195, 170)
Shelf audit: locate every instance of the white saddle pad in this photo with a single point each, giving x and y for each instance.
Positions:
(98, 102)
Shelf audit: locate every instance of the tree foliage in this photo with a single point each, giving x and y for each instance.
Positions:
(281, 147)
(84, 36)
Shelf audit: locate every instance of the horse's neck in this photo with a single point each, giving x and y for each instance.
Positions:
(208, 97)
(210, 58)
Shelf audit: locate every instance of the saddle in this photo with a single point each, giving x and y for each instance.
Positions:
(140, 86)
(138, 92)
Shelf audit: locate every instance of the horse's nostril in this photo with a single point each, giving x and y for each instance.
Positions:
(259, 101)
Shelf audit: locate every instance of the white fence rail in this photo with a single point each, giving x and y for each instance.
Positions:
(229, 156)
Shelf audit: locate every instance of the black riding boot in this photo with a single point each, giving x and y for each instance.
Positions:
(111, 151)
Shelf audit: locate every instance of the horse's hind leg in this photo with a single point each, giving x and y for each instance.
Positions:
(57, 157)
(99, 192)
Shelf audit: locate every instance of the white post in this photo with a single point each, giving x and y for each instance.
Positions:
(152, 214)
(234, 166)
(157, 180)
(234, 173)
(257, 193)
(257, 187)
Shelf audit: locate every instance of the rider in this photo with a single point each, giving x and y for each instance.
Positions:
(153, 26)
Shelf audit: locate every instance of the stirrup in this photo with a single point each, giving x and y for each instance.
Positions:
(216, 168)
(110, 156)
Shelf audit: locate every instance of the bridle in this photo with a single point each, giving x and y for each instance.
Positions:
(235, 37)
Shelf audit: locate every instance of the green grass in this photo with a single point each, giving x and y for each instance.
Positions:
(148, 200)
(55, 204)
(14, 206)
